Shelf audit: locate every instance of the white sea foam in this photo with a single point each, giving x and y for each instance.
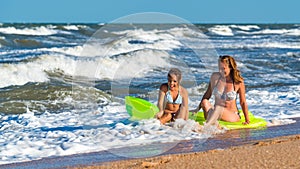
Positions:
(30, 137)
(20, 74)
(269, 104)
(132, 40)
(41, 31)
(284, 32)
(245, 27)
(126, 66)
(125, 44)
(71, 27)
(262, 44)
(221, 30)
(293, 32)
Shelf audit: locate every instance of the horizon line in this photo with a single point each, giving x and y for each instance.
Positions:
(213, 23)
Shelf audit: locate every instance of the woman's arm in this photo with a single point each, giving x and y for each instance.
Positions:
(207, 94)
(243, 103)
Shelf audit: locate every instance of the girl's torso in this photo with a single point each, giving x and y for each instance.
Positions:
(173, 99)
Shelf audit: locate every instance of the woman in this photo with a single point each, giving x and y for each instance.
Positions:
(172, 99)
(225, 85)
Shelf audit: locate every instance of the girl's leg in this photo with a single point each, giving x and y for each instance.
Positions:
(166, 117)
(182, 114)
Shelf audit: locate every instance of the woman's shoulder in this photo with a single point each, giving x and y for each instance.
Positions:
(241, 83)
(215, 75)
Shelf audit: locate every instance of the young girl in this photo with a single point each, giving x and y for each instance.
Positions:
(172, 99)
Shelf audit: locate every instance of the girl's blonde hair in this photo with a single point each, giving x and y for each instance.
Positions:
(176, 72)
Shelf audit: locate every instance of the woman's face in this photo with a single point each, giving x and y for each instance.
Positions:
(224, 69)
(173, 81)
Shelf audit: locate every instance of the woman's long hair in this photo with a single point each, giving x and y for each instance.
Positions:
(234, 72)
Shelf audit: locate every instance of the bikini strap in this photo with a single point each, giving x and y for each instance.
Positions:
(218, 81)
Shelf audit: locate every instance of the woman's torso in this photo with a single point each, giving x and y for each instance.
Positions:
(225, 92)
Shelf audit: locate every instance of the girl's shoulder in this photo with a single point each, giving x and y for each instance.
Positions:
(164, 87)
(183, 90)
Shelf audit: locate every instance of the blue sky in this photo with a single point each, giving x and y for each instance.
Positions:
(195, 11)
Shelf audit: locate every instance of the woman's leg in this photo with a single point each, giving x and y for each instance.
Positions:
(207, 107)
(221, 113)
(230, 116)
(215, 115)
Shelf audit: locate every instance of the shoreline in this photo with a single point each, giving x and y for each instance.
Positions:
(231, 138)
(269, 153)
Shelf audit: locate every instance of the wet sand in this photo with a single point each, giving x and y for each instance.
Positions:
(278, 153)
(272, 147)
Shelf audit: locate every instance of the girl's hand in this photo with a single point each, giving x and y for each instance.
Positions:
(159, 114)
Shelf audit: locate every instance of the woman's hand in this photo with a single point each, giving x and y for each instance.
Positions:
(194, 111)
(246, 122)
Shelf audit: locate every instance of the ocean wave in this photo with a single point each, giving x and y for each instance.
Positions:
(22, 73)
(262, 44)
(268, 103)
(38, 31)
(127, 65)
(293, 32)
(61, 95)
(283, 32)
(25, 55)
(71, 27)
(231, 30)
(221, 30)
(245, 27)
(127, 41)
(99, 58)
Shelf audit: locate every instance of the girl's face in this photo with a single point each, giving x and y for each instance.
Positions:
(224, 69)
(173, 82)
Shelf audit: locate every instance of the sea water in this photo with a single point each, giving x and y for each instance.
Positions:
(62, 86)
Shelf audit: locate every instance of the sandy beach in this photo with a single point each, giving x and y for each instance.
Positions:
(280, 152)
(271, 147)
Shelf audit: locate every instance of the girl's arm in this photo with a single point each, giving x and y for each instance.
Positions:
(160, 102)
(184, 108)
